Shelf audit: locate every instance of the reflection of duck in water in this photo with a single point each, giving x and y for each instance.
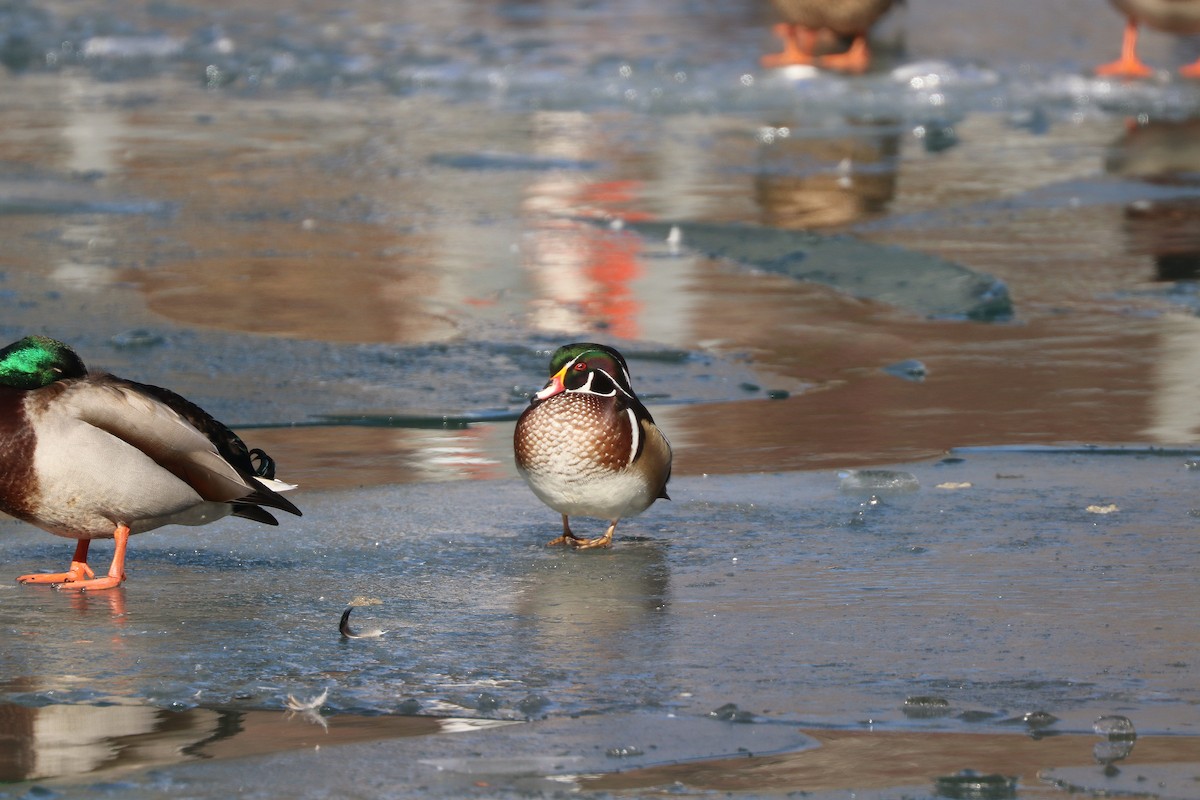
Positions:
(806, 20)
(67, 740)
(826, 181)
(1181, 17)
(1163, 154)
(597, 611)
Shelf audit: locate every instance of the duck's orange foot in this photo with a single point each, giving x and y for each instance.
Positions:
(854, 61)
(592, 544)
(92, 585)
(1191, 70)
(1124, 68)
(798, 44)
(599, 541)
(79, 571)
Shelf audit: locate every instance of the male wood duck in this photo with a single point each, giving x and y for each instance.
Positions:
(1181, 17)
(805, 20)
(587, 446)
(92, 456)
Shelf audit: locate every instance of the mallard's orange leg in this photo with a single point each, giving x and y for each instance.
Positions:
(1191, 70)
(855, 60)
(79, 568)
(600, 541)
(1128, 65)
(798, 45)
(116, 570)
(567, 538)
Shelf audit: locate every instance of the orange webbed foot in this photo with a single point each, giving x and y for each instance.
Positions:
(94, 584)
(599, 541)
(1125, 68)
(854, 61)
(1191, 70)
(567, 536)
(798, 45)
(116, 570)
(1128, 65)
(79, 571)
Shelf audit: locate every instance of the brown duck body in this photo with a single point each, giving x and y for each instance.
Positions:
(843, 17)
(1171, 16)
(587, 455)
(587, 446)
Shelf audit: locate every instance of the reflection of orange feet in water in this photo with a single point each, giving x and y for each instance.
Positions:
(98, 601)
(1128, 65)
(799, 44)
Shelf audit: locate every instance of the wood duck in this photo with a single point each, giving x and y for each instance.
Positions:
(587, 446)
(92, 456)
(806, 20)
(1181, 17)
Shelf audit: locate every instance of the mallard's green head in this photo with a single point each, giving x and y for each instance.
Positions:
(37, 361)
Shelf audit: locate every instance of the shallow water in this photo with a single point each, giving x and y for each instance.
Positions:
(356, 231)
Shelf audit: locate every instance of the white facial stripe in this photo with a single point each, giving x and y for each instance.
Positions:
(636, 437)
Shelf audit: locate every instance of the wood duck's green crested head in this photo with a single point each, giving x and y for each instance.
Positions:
(37, 361)
(589, 368)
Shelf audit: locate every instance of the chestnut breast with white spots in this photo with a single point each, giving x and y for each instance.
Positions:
(575, 450)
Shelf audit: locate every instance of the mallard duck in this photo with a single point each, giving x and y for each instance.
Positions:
(587, 446)
(91, 456)
(805, 20)
(1181, 17)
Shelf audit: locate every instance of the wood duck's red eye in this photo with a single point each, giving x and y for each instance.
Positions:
(580, 367)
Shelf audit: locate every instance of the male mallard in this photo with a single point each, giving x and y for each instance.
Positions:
(1181, 17)
(92, 456)
(805, 19)
(587, 446)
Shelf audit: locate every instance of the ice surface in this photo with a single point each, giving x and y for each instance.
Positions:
(664, 629)
(917, 282)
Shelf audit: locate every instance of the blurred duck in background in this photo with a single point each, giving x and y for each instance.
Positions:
(1180, 17)
(808, 23)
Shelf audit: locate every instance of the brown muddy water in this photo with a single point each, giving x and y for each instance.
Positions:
(355, 231)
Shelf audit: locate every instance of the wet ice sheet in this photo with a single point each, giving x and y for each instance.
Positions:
(997, 587)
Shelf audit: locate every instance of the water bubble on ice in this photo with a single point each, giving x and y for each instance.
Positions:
(1036, 720)
(910, 370)
(1114, 726)
(731, 713)
(1109, 751)
(877, 480)
(971, 784)
(628, 751)
(674, 240)
(532, 704)
(136, 338)
(925, 707)
(480, 701)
